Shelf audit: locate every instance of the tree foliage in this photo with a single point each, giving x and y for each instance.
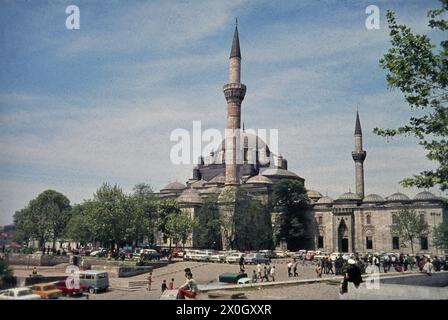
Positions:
(45, 218)
(292, 203)
(419, 69)
(409, 226)
(207, 233)
(179, 227)
(440, 237)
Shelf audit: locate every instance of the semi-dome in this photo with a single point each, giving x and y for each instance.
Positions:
(397, 196)
(373, 198)
(313, 194)
(425, 195)
(219, 179)
(211, 190)
(325, 200)
(349, 196)
(174, 186)
(190, 196)
(198, 183)
(259, 179)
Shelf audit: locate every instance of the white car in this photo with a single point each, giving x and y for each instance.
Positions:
(234, 257)
(23, 293)
(244, 281)
(218, 257)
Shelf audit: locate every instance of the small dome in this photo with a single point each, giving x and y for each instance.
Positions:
(313, 194)
(190, 196)
(350, 196)
(398, 196)
(373, 198)
(220, 179)
(259, 179)
(325, 200)
(175, 186)
(425, 195)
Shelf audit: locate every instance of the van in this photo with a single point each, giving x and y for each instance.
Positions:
(94, 281)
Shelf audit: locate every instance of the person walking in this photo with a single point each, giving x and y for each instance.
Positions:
(289, 268)
(330, 266)
(265, 275)
(149, 278)
(164, 286)
(272, 273)
(171, 284)
(353, 274)
(241, 262)
(254, 276)
(428, 267)
(296, 265)
(259, 271)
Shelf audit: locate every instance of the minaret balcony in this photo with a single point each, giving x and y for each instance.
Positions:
(359, 155)
(234, 91)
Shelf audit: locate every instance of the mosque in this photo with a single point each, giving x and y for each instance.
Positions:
(353, 222)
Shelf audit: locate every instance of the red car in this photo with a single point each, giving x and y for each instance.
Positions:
(70, 289)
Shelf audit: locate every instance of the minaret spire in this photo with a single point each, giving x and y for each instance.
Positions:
(234, 92)
(359, 155)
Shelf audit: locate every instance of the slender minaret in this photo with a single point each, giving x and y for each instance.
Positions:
(234, 92)
(359, 155)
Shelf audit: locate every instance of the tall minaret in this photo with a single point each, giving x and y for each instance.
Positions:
(359, 155)
(234, 92)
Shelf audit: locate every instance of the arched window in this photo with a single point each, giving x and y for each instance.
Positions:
(368, 219)
(320, 220)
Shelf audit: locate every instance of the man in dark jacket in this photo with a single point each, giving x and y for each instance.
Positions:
(353, 274)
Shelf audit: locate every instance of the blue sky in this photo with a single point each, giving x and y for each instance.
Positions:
(83, 107)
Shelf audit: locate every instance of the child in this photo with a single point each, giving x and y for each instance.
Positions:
(319, 271)
(171, 285)
(164, 287)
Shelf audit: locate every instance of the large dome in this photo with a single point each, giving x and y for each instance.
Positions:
(373, 198)
(277, 172)
(325, 200)
(425, 195)
(349, 196)
(219, 179)
(397, 196)
(174, 186)
(259, 179)
(190, 196)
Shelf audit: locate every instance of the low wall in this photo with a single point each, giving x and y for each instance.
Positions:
(439, 279)
(35, 259)
(123, 271)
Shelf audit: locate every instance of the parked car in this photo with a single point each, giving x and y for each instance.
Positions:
(102, 252)
(46, 290)
(255, 258)
(146, 254)
(244, 281)
(234, 257)
(70, 289)
(94, 280)
(268, 253)
(200, 256)
(280, 254)
(218, 257)
(22, 293)
(321, 255)
(335, 255)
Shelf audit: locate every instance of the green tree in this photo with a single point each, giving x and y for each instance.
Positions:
(145, 217)
(179, 227)
(419, 69)
(207, 233)
(165, 209)
(409, 226)
(109, 212)
(292, 204)
(45, 218)
(79, 228)
(440, 236)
